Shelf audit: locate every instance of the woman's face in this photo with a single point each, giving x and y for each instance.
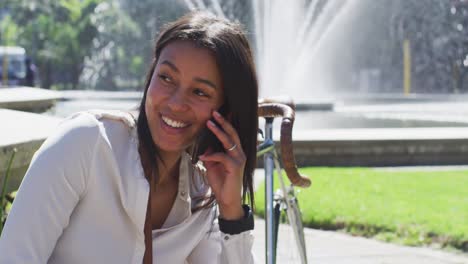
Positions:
(185, 88)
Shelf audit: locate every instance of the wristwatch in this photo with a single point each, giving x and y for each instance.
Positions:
(233, 227)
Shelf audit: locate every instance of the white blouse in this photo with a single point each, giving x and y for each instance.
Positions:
(84, 199)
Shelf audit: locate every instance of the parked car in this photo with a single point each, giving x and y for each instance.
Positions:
(15, 67)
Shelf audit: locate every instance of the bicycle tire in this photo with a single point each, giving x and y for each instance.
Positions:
(295, 221)
(293, 213)
(277, 214)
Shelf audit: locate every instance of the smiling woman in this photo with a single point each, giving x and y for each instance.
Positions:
(169, 187)
(184, 90)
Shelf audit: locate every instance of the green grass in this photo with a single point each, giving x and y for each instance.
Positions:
(407, 207)
(8, 205)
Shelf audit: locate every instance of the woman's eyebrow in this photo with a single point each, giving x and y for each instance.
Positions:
(207, 82)
(198, 79)
(171, 65)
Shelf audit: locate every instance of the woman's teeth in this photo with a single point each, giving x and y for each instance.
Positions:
(173, 123)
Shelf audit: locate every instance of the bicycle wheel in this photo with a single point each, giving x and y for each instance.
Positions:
(295, 221)
(294, 230)
(290, 247)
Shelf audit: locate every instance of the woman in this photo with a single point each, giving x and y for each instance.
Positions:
(107, 189)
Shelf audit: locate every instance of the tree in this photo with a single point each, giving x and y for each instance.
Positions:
(113, 64)
(149, 16)
(8, 31)
(437, 31)
(59, 35)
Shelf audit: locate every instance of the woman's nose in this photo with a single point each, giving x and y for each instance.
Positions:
(178, 102)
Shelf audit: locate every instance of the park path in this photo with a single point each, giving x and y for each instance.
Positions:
(328, 247)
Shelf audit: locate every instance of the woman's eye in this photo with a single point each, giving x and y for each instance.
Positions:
(165, 78)
(200, 92)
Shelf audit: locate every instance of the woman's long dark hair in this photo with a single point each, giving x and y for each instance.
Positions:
(227, 41)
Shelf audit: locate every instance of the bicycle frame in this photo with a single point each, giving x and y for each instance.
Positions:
(270, 109)
(271, 161)
(266, 149)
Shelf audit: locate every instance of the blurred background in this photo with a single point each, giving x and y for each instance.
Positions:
(381, 89)
(107, 44)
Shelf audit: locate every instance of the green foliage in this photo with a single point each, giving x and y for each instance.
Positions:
(91, 44)
(4, 204)
(104, 44)
(437, 31)
(408, 207)
(116, 33)
(74, 42)
(136, 66)
(8, 31)
(148, 16)
(58, 34)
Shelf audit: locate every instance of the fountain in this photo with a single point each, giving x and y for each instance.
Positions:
(289, 48)
(302, 46)
(343, 52)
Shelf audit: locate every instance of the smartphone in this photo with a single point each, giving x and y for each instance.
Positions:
(206, 139)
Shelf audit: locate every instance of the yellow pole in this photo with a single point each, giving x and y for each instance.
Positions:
(5, 69)
(406, 67)
(5, 36)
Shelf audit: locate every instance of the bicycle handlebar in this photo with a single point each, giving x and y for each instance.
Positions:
(278, 100)
(271, 108)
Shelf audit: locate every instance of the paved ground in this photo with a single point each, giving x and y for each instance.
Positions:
(328, 247)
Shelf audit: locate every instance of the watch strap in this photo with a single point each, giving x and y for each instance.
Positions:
(234, 227)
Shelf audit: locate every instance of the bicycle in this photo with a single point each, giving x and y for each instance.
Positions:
(284, 199)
